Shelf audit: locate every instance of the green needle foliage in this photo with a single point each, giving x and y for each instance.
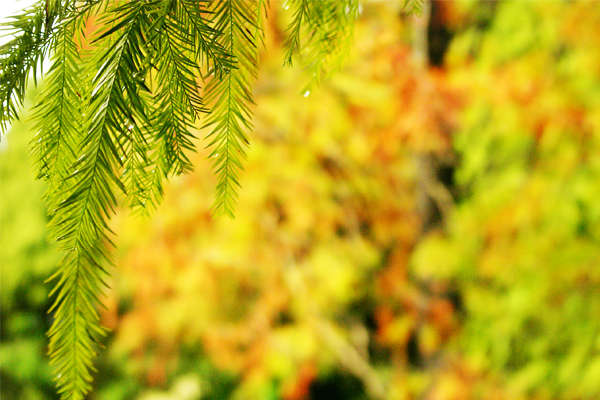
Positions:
(323, 31)
(229, 91)
(116, 114)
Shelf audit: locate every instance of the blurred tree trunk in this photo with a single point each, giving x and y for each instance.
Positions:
(434, 201)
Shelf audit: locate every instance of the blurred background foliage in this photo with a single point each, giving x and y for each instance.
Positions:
(403, 232)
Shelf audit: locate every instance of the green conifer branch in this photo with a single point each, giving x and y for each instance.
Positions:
(58, 113)
(21, 57)
(230, 96)
(323, 30)
(189, 17)
(80, 220)
(177, 96)
(293, 40)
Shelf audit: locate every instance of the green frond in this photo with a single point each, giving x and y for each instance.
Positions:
(143, 191)
(75, 329)
(177, 97)
(177, 37)
(261, 14)
(79, 224)
(80, 220)
(21, 57)
(58, 113)
(130, 121)
(131, 125)
(231, 97)
(293, 40)
(320, 34)
(188, 17)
